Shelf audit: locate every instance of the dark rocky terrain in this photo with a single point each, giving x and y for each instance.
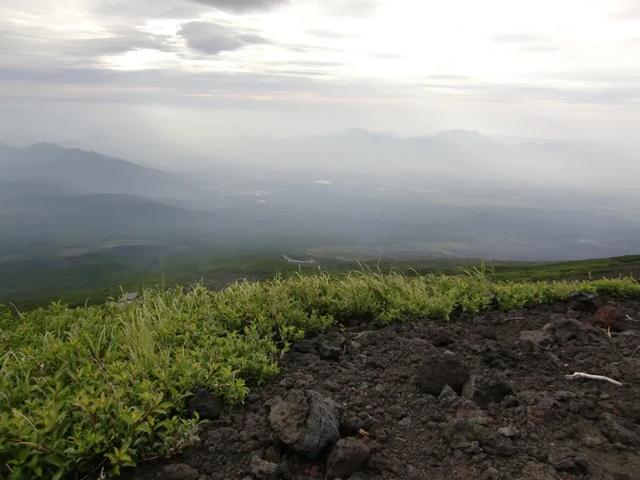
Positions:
(482, 397)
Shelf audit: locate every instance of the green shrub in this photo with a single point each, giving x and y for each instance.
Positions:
(105, 386)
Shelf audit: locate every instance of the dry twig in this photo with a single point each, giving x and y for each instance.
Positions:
(592, 377)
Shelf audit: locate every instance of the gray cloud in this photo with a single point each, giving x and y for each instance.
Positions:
(141, 9)
(211, 38)
(40, 46)
(294, 85)
(180, 9)
(241, 5)
(118, 40)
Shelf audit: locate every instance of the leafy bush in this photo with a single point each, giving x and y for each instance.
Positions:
(105, 386)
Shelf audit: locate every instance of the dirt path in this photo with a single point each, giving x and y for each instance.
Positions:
(514, 415)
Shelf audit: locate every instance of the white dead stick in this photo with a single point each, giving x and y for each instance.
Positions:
(592, 377)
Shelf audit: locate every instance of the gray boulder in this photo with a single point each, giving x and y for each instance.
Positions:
(441, 369)
(305, 421)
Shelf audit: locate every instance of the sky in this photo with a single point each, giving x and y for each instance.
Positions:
(172, 76)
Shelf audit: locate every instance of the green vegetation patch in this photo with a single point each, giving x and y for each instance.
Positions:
(104, 387)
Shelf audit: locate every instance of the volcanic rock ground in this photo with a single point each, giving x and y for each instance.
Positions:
(482, 397)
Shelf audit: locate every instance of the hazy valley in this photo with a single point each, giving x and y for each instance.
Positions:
(72, 218)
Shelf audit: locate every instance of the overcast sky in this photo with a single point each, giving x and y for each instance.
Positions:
(178, 73)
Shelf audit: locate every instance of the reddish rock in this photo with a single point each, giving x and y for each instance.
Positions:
(609, 316)
(348, 456)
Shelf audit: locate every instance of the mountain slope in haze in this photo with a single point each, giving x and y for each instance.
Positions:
(17, 189)
(80, 171)
(57, 204)
(448, 157)
(40, 224)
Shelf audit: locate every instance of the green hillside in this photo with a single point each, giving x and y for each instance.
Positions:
(95, 276)
(104, 386)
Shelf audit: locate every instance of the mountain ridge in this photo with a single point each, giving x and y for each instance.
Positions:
(85, 171)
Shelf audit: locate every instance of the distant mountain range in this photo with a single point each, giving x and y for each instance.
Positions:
(76, 220)
(453, 157)
(48, 168)
(456, 193)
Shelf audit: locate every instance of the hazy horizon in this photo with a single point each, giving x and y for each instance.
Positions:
(165, 82)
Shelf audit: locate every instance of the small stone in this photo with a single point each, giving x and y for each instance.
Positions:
(287, 382)
(350, 426)
(405, 422)
(440, 338)
(304, 346)
(537, 471)
(566, 461)
(462, 434)
(509, 431)
(619, 431)
(178, 471)
(490, 473)
(564, 396)
(448, 395)
(205, 404)
(498, 445)
(539, 338)
(492, 390)
(263, 469)
(593, 440)
(629, 410)
(396, 411)
(328, 352)
(360, 476)
(348, 456)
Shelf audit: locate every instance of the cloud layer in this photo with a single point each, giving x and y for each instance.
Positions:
(241, 5)
(541, 68)
(211, 38)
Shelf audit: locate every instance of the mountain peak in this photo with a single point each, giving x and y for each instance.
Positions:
(42, 146)
(73, 169)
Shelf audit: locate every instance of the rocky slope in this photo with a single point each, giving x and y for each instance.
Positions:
(479, 398)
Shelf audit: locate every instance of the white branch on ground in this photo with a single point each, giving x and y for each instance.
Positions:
(592, 377)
